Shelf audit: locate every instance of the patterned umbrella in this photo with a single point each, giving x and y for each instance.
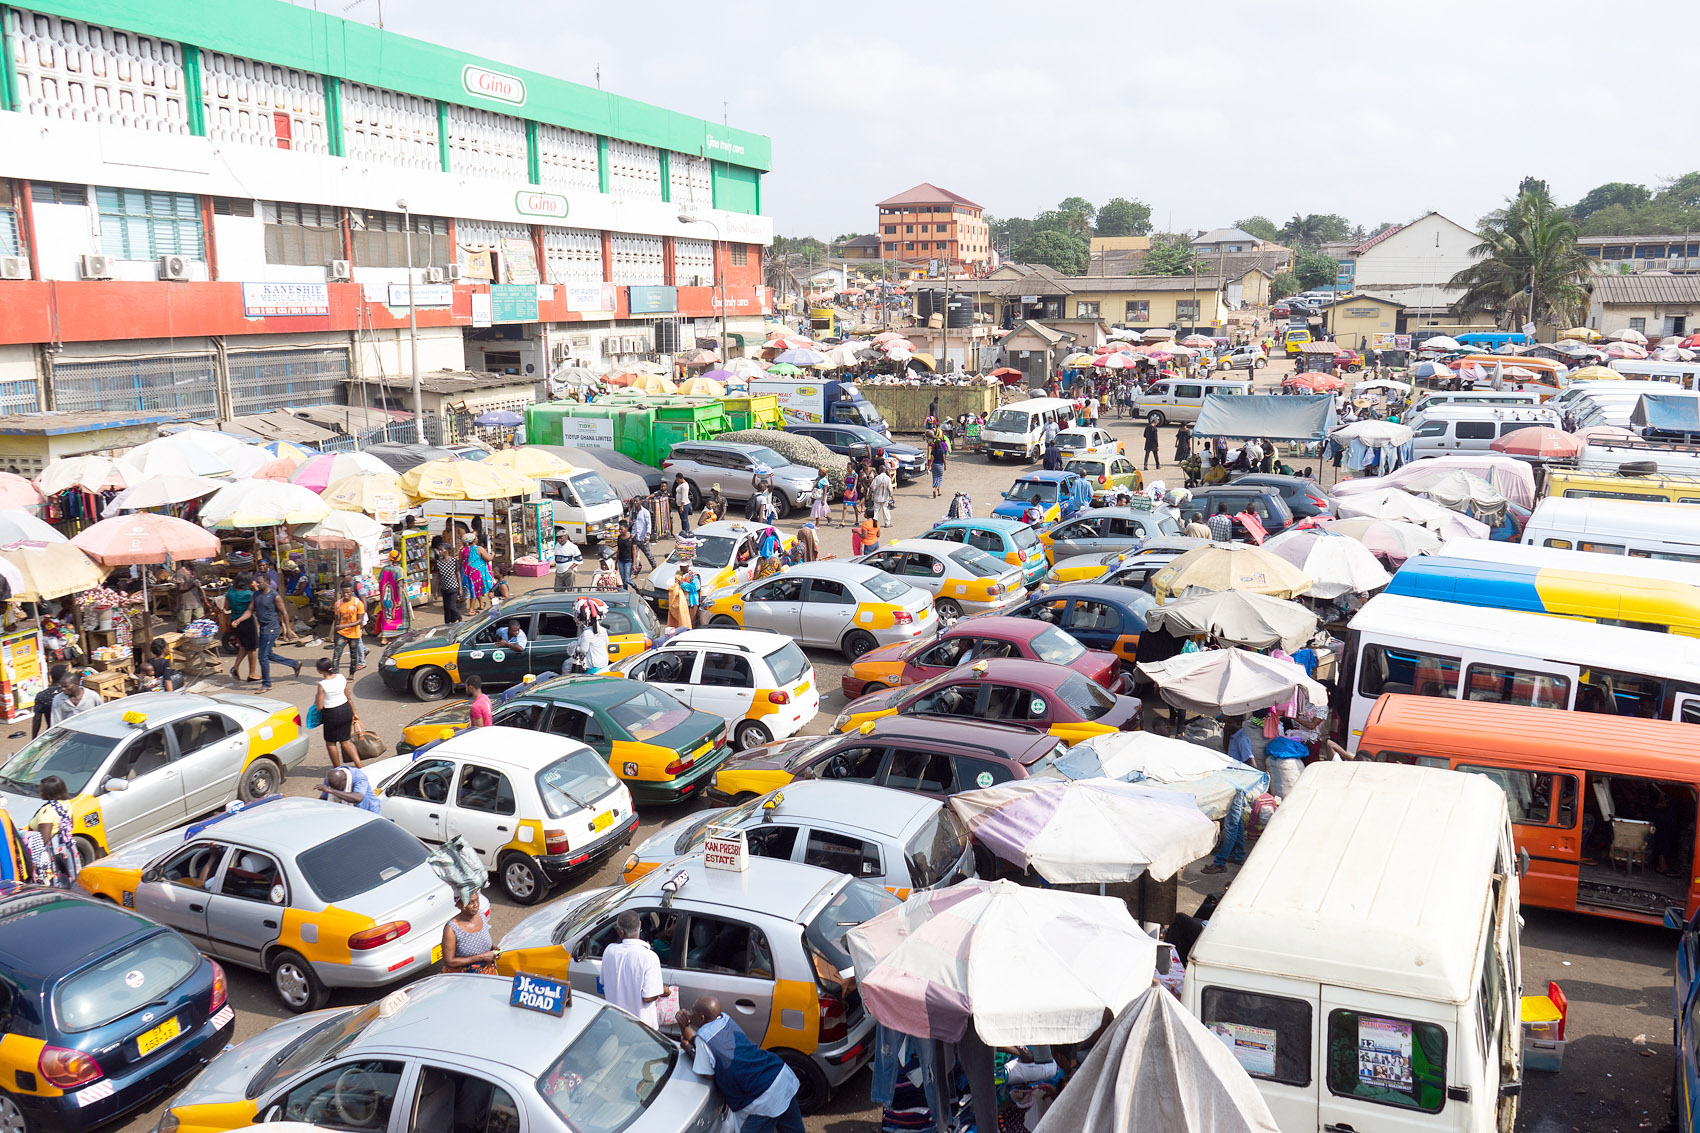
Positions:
(801, 356)
(324, 469)
(261, 503)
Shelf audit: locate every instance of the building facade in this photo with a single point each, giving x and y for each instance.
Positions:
(1412, 263)
(928, 223)
(1655, 303)
(210, 207)
(1673, 253)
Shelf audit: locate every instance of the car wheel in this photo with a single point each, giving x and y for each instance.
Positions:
(813, 1089)
(1156, 419)
(781, 505)
(87, 851)
(752, 734)
(523, 880)
(12, 1119)
(696, 497)
(262, 777)
(858, 642)
(948, 610)
(298, 987)
(431, 683)
(722, 621)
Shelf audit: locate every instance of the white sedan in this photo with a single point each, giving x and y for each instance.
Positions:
(1087, 442)
(836, 605)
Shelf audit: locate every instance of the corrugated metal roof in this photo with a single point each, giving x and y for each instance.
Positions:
(927, 193)
(1647, 288)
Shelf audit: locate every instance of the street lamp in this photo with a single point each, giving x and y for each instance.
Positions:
(413, 326)
(719, 280)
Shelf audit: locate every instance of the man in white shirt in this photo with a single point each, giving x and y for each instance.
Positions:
(73, 698)
(631, 973)
(567, 559)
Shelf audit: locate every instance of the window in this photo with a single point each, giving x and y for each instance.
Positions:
(1474, 430)
(1085, 310)
(908, 228)
(727, 670)
(108, 989)
(254, 877)
(364, 858)
(771, 840)
(459, 1103)
(920, 771)
(1186, 308)
(842, 853)
(853, 765)
(779, 590)
(740, 255)
(946, 654)
(917, 564)
(1530, 794)
(654, 925)
(561, 625)
(523, 715)
(788, 664)
(890, 230)
(233, 206)
(55, 193)
(303, 235)
(427, 781)
(1268, 1035)
(9, 241)
(1007, 702)
(1638, 324)
(485, 790)
(349, 1095)
(140, 224)
(670, 667)
(728, 947)
(1187, 391)
(626, 1066)
(193, 866)
(1500, 685)
(145, 756)
(1388, 669)
(380, 239)
(1396, 1062)
(829, 592)
(1432, 429)
(1093, 616)
(1621, 694)
(948, 700)
(577, 724)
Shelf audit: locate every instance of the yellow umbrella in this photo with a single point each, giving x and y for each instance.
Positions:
(376, 493)
(1586, 334)
(1595, 374)
(51, 570)
(533, 462)
(700, 387)
(925, 359)
(464, 480)
(651, 383)
(1230, 568)
(1078, 360)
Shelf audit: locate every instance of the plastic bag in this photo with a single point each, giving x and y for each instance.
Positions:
(667, 1008)
(458, 865)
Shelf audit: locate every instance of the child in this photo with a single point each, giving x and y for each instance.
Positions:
(607, 578)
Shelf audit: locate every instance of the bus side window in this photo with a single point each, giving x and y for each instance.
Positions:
(1438, 761)
(1530, 794)
(1388, 669)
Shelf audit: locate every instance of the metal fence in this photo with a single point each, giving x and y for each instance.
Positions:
(400, 432)
(261, 380)
(179, 384)
(18, 397)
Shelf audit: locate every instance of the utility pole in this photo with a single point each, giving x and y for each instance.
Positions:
(413, 327)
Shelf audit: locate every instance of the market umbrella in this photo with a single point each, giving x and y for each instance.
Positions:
(1541, 441)
(290, 449)
(145, 539)
(1440, 342)
(17, 492)
(1337, 564)
(1223, 567)
(1077, 360)
(699, 357)
(375, 493)
(898, 343)
(50, 570)
(1602, 434)
(1595, 374)
(1209, 778)
(530, 461)
(790, 342)
(922, 358)
(280, 469)
(1458, 490)
(499, 419)
(801, 356)
(208, 447)
(745, 368)
(262, 503)
(645, 366)
(1159, 1067)
(631, 479)
(1626, 350)
(1629, 334)
(1241, 617)
(1322, 383)
(1084, 831)
(1199, 340)
(1023, 965)
(1390, 540)
(463, 480)
(784, 370)
(1006, 372)
(703, 387)
(888, 336)
(1431, 370)
(162, 457)
(572, 377)
(1157, 333)
(324, 469)
(341, 531)
(1582, 334)
(19, 526)
(86, 473)
(1384, 383)
(724, 377)
(898, 354)
(651, 383)
(1230, 682)
(159, 491)
(1396, 503)
(1113, 361)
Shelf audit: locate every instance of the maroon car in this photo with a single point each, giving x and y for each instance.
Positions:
(1029, 694)
(978, 639)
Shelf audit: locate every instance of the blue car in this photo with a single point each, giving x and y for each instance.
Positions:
(1008, 539)
(1061, 495)
(105, 1010)
(1685, 1084)
(1099, 616)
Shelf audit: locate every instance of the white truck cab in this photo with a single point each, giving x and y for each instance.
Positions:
(585, 505)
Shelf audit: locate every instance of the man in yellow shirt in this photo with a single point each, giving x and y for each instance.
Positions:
(350, 620)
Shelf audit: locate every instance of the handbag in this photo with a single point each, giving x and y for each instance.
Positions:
(313, 720)
(667, 1008)
(368, 744)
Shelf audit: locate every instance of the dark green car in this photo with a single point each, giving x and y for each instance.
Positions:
(664, 750)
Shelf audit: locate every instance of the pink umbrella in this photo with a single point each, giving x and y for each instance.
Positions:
(320, 472)
(15, 491)
(280, 470)
(144, 539)
(1112, 361)
(891, 344)
(1603, 434)
(1539, 441)
(1391, 540)
(1625, 350)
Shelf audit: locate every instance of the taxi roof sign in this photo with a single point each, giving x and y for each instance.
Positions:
(725, 847)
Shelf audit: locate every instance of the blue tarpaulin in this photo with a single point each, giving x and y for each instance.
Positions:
(1667, 413)
(1275, 417)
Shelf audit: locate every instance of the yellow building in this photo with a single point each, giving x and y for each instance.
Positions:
(1143, 302)
(1355, 320)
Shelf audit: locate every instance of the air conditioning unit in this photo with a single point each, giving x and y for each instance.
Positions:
(435, 275)
(451, 273)
(579, 341)
(96, 266)
(610, 346)
(14, 267)
(339, 271)
(636, 345)
(174, 267)
(558, 353)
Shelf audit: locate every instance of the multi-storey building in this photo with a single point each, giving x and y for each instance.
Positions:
(928, 223)
(211, 207)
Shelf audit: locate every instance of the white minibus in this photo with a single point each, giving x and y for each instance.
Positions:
(1018, 430)
(1181, 399)
(1645, 530)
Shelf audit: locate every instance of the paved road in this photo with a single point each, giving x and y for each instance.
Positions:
(1618, 976)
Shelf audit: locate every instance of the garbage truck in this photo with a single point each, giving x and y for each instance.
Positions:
(817, 400)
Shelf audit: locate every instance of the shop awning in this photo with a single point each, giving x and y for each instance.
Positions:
(1667, 413)
(1276, 417)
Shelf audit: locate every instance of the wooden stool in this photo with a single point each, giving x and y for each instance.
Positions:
(109, 685)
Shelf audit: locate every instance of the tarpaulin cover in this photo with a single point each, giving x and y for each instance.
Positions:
(1277, 417)
(1667, 413)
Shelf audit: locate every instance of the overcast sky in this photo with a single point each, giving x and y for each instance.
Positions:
(1206, 111)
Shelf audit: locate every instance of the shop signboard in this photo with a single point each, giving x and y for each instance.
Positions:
(485, 83)
(588, 432)
(481, 312)
(513, 302)
(652, 300)
(423, 295)
(272, 300)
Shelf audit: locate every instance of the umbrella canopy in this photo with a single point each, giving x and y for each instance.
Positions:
(574, 376)
(801, 356)
(652, 383)
(703, 387)
(19, 526)
(724, 377)
(645, 366)
(499, 419)
(1023, 965)
(784, 370)
(1461, 491)
(261, 503)
(158, 491)
(17, 492)
(1198, 340)
(1396, 503)
(1582, 334)
(1440, 342)
(144, 539)
(1391, 540)
(1158, 1067)
(1431, 370)
(1233, 682)
(87, 473)
(629, 478)
(1626, 350)
(289, 449)
(1384, 383)
(1322, 383)
(1336, 564)
(1078, 360)
(1595, 374)
(1222, 567)
(51, 571)
(1541, 441)
(1629, 334)
(1375, 433)
(745, 368)
(790, 342)
(887, 336)
(898, 343)
(922, 358)
(280, 469)
(1240, 617)
(1113, 361)
(697, 356)
(1087, 830)
(340, 530)
(376, 493)
(463, 480)
(530, 461)
(325, 469)
(1602, 434)
(162, 458)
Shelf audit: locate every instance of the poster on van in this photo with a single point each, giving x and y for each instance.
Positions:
(1384, 1053)
(1252, 1047)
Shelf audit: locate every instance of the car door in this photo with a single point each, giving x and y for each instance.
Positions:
(173, 891)
(417, 800)
(556, 640)
(858, 763)
(725, 685)
(1075, 537)
(774, 604)
(1096, 625)
(151, 796)
(827, 612)
(484, 810)
(357, 1094)
(245, 912)
(658, 926)
(924, 570)
(725, 956)
(446, 1100)
(738, 477)
(673, 671)
(917, 769)
(1012, 704)
(846, 853)
(211, 749)
(582, 725)
(497, 662)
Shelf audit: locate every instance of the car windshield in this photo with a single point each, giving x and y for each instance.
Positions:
(1053, 645)
(1010, 421)
(1073, 440)
(1024, 538)
(608, 1076)
(935, 849)
(977, 563)
(574, 782)
(690, 838)
(1090, 468)
(808, 751)
(329, 1039)
(712, 551)
(647, 713)
(768, 457)
(146, 972)
(72, 755)
(1086, 697)
(787, 663)
(1048, 491)
(858, 901)
(592, 489)
(886, 588)
(358, 861)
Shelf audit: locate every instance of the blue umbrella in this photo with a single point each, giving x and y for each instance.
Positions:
(505, 418)
(1431, 370)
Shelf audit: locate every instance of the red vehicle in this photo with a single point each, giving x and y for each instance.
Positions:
(1280, 311)
(1349, 361)
(1028, 694)
(976, 639)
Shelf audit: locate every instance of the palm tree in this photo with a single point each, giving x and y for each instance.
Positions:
(1528, 267)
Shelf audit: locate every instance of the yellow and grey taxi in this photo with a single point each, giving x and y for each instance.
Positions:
(454, 1052)
(147, 763)
(535, 807)
(768, 938)
(963, 580)
(761, 684)
(318, 895)
(897, 839)
(845, 606)
(722, 554)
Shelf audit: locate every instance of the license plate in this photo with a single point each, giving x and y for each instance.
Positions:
(602, 821)
(437, 954)
(802, 688)
(158, 1037)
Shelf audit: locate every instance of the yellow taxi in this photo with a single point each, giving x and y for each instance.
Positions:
(850, 607)
(722, 554)
(1107, 475)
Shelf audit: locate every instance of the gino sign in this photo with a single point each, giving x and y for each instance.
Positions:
(540, 204)
(493, 84)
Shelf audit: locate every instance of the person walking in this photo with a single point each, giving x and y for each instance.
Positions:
(879, 495)
(760, 1089)
(1151, 453)
(631, 972)
(821, 510)
(270, 613)
(238, 603)
(690, 584)
(73, 698)
(678, 602)
(940, 454)
(350, 624)
(852, 495)
(447, 573)
(865, 536)
(682, 502)
(643, 531)
(1183, 441)
(44, 699)
(336, 714)
(625, 554)
(53, 823)
(567, 560)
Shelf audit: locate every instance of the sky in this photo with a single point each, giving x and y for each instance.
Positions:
(1207, 112)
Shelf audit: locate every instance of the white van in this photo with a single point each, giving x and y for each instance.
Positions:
(1684, 374)
(1181, 399)
(585, 505)
(1617, 527)
(1018, 430)
(1448, 429)
(1608, 402)
(1363, 967)
(1476, 397)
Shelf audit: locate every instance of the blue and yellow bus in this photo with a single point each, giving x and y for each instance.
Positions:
(1639, 593)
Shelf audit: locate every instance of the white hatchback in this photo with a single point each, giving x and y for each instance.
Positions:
(762, 684)
(1083, 441)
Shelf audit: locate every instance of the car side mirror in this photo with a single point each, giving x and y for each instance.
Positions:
(1674, 919)
(152, 874)
(116, 784)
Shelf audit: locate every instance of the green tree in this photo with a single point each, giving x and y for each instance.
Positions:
(1283, 285)
(1315, 270)
(1259, 226)
(1170, 255)
(1528, 267)
(1008, 231)
(1056, 248)
(1122, 217)
(1078, 213)
(1314, 229)
(1611, 193)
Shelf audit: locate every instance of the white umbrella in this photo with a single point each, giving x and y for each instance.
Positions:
(1461, 491)
(1209, 778)
(158, 491)
(1628, 334)
(745, 368)
(18, 526)
(1240, 617)
(344, 530)
(1383, 383)
(90, 473)
(261, 503)
(1375, 434)
(160, 458)
(1230, 681)
(1396, 503)
(1392, 539)
(1440, 342)
(1337, 564)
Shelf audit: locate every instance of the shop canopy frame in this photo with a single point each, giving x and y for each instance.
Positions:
(1305, 418)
